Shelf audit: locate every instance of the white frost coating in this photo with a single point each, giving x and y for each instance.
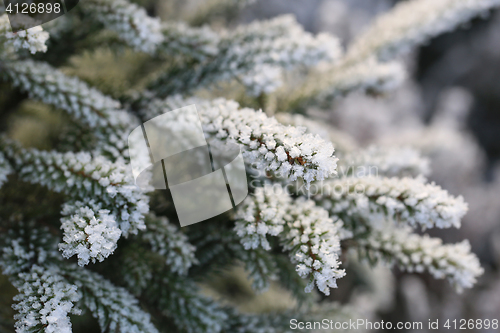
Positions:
(199, 43)
(409, 200)
(84, 104)
(51, 86)
(114, 307)
(283, 41)
(5, 169)
(32, 39)
(413, 22)
(381, 161)
(267, 144)
(45, 300)
(311, 236)
(90, 233)
(262, 215)
(243, 52)
(84, 178)
(415, 253)
(26, 247)
(129, 21)
(263, 79)
(167, 240)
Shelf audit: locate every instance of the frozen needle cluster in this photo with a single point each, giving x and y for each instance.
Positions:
(268, 145)
(408, 200)
(45, 300)
(415, 253)
(33, 39)
(89, 233)
(311, 236)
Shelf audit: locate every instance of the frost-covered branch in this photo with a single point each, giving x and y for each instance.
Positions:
(176, 297)
(113, 307)
(261, 268)
(183, 40)
(381, 161)
(182, 302)
(45, 301)
(32, 39)
(84, 105)
(307, 231)
(267, 144)
(5, 169)
(279, 42)
(369, 76)
(25, 245)
(332, 82)
(167, 240)
(129, 21)
(408, 200)
(411, 23)
(412, 252)
(82, 177)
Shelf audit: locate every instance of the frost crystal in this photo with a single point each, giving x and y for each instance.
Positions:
(89, 233)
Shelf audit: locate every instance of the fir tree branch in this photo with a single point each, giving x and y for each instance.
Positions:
(408, 200)
(381, 161)
(5, 169)
(82, 177)
(131, 23)
(45, 301)
(328, 83)
(32, 39)
(175, 297)
(411, 23)
(412, 252)
(84, 105)
(267, 144)
(113, 307)
(261, 268)
(25, 245)
(167, 240)
(306, 231)
(278, 42)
